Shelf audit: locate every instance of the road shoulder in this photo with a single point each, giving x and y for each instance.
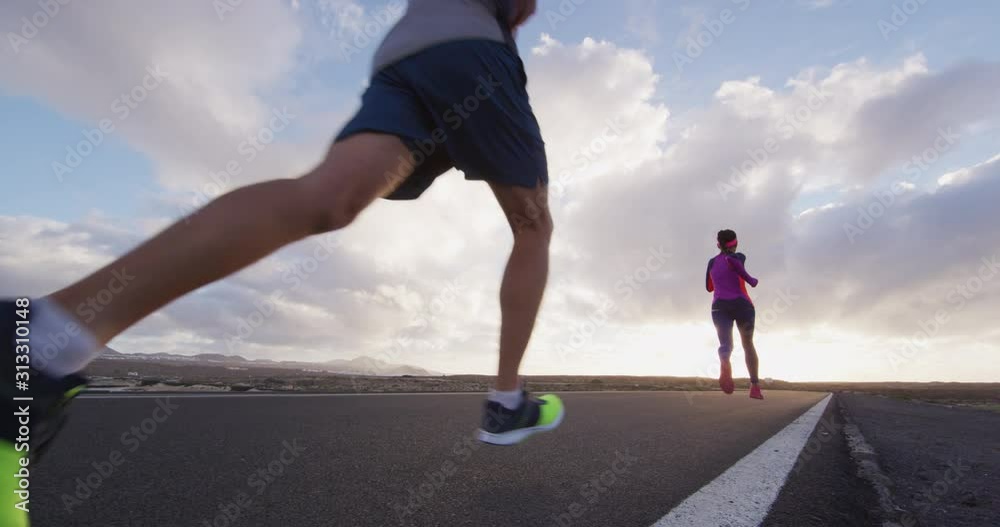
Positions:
(942, 463)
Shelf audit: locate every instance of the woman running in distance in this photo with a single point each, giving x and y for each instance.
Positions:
(727, 277)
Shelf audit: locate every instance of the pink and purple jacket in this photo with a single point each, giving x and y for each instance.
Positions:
(728, 278)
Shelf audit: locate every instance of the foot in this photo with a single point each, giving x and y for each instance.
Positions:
(755, 392)
(726, 377)
(509, 427)
(12, 505)
(48, 396)
(43, 414)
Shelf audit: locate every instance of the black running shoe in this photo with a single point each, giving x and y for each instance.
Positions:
(32, 409)
(25, 388)
(509, 427)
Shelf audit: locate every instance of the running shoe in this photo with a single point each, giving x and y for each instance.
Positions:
(509, 427)
(755, 392)
(32, 411)
(726, 377)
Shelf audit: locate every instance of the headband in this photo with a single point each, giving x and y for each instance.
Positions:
(731, 244)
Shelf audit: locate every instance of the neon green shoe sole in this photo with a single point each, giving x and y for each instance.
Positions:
(509, 427)
(13, 508)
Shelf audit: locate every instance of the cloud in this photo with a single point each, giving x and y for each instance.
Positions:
(892, 277)
(38, 255)
(623, 124)
(909, 120)
(89, 61)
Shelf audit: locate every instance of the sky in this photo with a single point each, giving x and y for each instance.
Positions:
(853, 146)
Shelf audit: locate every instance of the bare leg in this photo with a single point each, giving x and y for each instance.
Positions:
(524, 279)
(241, 227)
(724, 327)
(746, 335)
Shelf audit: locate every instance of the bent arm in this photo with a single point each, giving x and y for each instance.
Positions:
(736, 263)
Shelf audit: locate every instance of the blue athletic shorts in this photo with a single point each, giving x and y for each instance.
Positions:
(459, 104)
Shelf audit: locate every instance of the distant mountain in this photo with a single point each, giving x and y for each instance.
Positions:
(357, 366)
(218, 357)
(368, 366)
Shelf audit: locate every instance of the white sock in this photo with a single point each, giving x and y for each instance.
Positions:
(60, 344)
(510, 400)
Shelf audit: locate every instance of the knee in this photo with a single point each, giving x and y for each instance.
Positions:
(725, 350)
(533, 226)
(337, 214)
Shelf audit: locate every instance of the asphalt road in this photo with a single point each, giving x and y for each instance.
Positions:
(944, 463)
(620, 459)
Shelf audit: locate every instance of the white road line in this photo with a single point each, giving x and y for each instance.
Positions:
(743, 495)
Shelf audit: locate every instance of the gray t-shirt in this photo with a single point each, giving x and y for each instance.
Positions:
(430, 22)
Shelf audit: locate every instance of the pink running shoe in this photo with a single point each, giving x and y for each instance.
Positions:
(755, 392)
(726, 377)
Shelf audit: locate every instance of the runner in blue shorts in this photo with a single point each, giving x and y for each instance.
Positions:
(726, 278)
(448, 89)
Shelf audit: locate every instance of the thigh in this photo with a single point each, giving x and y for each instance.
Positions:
(745, 317)
(723, 319)
(357, 170)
